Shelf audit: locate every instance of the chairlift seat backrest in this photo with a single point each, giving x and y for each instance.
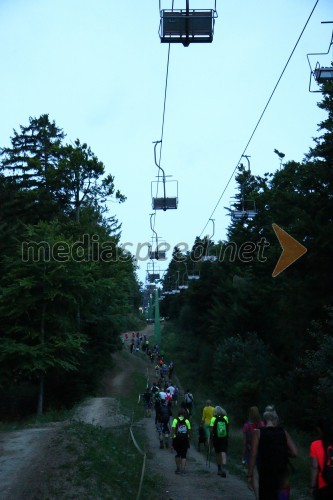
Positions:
(323, 74)
(239, 214)
(157, 255)
(176, 26)
(165, 203)
(153, 277)
(209, 258)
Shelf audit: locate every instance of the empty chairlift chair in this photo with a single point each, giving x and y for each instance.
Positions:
(246, 211)
(187, 25)
(163, 202)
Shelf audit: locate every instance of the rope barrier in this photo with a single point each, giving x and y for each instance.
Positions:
(135, 443)
(142, 476)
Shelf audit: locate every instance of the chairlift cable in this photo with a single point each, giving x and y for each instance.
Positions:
(163, 115)
(163, 122)
(260, 118)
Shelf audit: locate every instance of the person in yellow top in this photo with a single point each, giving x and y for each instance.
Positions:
(207, 415)
(180, 431)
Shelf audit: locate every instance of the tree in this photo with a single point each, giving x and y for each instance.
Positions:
(39, 295)
(84, 184)
(31, 165)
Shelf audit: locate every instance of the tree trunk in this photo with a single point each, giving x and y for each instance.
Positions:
(41, 375)
(40, 395)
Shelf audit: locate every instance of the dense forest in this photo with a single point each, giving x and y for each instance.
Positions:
(67, 288)
(258, 339)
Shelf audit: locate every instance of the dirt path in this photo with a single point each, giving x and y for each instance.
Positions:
(200, 481)
(21, 452)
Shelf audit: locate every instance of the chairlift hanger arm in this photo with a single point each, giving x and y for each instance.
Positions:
(321, 53)
(153, 230)
(159, 167)
(155, 159)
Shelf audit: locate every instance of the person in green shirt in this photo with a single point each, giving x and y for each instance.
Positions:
(219, 433)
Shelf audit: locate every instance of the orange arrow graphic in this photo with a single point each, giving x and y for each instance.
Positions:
(291, 250)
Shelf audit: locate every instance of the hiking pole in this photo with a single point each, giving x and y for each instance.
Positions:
(208, 454)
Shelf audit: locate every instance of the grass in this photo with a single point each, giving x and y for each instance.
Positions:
(105, 462)
(37, 421)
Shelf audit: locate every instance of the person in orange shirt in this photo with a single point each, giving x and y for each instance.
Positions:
(318, 486)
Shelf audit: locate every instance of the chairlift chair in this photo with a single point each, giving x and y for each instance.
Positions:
(209, 257)
(157, 255)
(247, 210)
(152, 277)
(193, 276)
(187, 25)
(163, 202)
(321, 74)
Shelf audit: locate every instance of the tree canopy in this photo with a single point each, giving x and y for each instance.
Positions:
(65, 291)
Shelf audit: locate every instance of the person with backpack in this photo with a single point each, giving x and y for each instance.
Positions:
(147, 401)
(271, 448)
(321, 453)
(254, 422)
(157, 402)
(188, 401)
(219, 433)
(163, 416)
(180, 430)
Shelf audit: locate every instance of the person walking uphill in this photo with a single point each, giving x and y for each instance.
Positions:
(321, 453)
(188, 401)
(180, 430)
(207, 415)
(253, 422)
(271, 448)
(219, 432)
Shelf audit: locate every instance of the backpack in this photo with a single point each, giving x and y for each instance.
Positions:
(220, 427)
(181, 429)
(188, 398)
(327, 471)
(273, 451)
(164, 414)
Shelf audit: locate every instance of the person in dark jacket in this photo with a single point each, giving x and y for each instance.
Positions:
(271, 448)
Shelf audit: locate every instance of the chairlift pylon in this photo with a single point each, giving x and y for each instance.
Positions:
(187, 25)
(165, 202)
(321, 74)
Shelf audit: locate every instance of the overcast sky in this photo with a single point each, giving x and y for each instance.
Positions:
(98, 69)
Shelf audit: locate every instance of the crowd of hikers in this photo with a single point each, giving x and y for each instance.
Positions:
(267, 446)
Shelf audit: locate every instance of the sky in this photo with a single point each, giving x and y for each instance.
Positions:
(99, 70)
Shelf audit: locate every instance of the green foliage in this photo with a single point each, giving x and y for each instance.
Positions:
(280, 361)
(67, 289)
